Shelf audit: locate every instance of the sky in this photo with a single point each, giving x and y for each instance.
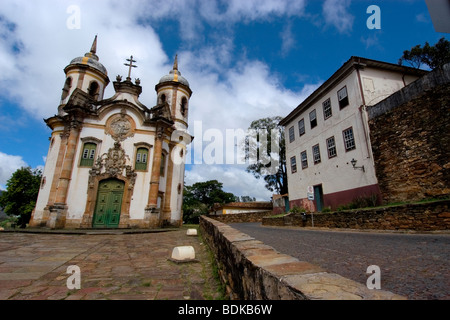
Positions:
(244, 59)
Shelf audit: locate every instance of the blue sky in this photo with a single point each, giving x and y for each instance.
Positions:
(245, 60)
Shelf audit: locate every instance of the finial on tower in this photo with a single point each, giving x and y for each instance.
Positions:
(175, 63)
(94, 46)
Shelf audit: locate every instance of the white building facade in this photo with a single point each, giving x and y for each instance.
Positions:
(328, 149)
(114, 163)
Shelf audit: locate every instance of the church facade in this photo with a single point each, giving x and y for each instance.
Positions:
(114, 163)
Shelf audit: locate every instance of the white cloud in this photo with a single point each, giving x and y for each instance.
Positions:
(8, 165)
(234, 178)
(336, 14)
(288, 41)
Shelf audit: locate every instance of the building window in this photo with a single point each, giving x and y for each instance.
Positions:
(349, 139)
(93, 89)
(162, 99)
(291, 134)
(163, 164)
(301, 127)
(304, 160)
(331, 146)
(88, 156)
(343, 97)
(327, 112)
(313, 118)
(183, 106)
(316, 154)
(293, 164)
(66, 89)
(141, 159)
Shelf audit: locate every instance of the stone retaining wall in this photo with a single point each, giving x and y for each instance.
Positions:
(252, 270)
(431, 216)
(410, 137)
(241, 217)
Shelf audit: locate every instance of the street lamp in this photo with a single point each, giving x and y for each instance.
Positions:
(355, 167)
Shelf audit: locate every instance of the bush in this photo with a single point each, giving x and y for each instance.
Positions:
(296, 209)
(361, 202)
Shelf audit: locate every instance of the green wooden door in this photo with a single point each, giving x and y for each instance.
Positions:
(109, 203)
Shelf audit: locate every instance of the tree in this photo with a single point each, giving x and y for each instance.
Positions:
(269, 151)
(199, 198)
(21, 193)
(432, 56)
(247, 199)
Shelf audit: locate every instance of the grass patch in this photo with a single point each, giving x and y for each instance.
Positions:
(219, 293)
(281, 215)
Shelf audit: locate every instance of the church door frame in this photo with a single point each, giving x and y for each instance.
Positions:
(88, 216)
(108, 206)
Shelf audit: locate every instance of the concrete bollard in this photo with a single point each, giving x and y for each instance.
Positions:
(191, 232)
(183, 253)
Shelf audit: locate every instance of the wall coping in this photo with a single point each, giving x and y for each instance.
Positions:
(299, 280)
(437, 77)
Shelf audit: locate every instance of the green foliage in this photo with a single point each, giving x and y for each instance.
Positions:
(276, 180)
(432, 56)
(296, 209)
(369, 201)
(245, 199)
(6, 223)
(199, 198)
(21, 193)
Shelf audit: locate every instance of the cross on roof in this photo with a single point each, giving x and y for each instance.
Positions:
(131, 66)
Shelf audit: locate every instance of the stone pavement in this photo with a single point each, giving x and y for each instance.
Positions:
(121, 266)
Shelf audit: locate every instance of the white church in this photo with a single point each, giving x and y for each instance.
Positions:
(114, 163)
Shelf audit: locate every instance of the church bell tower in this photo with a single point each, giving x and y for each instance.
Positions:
(174, 90)
(87, 74)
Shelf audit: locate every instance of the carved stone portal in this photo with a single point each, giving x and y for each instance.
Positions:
(113, 164)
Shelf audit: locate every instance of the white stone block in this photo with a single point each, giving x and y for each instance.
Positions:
(191, 232)
(183, 253)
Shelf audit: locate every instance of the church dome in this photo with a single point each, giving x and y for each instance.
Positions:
(90, 59)
(174, 75)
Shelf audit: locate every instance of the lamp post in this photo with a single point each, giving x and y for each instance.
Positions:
(353, 162)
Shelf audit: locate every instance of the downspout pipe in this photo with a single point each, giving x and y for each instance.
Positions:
(362, 109)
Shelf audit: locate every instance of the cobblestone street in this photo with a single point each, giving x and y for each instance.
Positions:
(112, 266)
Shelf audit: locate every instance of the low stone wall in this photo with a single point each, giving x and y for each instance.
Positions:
(242, 217)
(252, 270)
(431, 216)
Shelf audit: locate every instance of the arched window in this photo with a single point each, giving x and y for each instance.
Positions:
(141, 159)
(183, 106)
(66, 89)
(162, 99)
(88, 155)
(93, 89)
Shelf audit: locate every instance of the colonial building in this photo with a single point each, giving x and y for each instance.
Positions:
(114, 163)
(328, 147)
